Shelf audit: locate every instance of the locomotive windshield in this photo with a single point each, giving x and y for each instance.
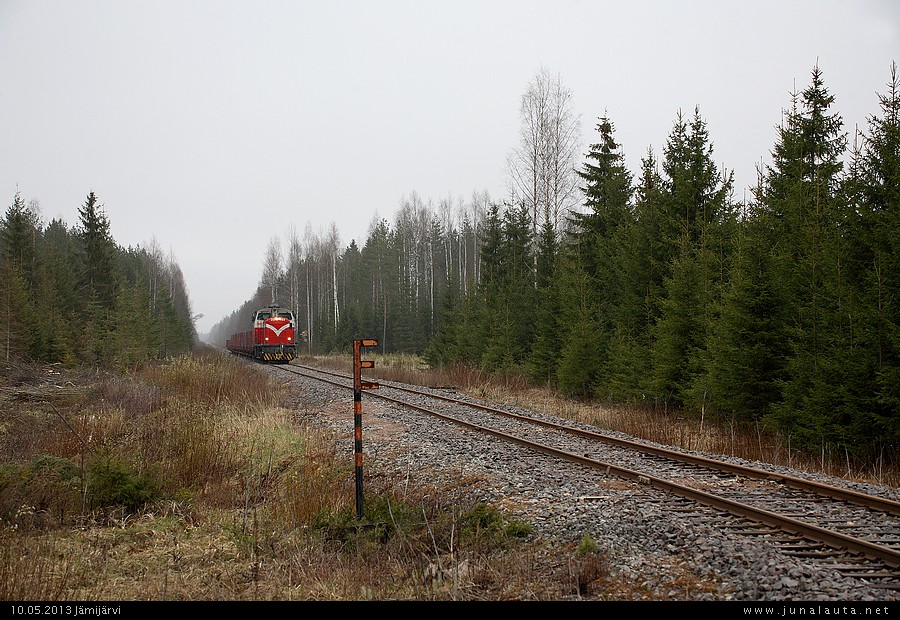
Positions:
(263, 315)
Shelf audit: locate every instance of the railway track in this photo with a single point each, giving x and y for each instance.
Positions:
(852, 532)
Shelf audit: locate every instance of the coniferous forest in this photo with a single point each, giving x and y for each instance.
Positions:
(71, 295)
(652, 287)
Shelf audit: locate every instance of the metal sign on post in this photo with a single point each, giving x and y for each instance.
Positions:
(358, 386)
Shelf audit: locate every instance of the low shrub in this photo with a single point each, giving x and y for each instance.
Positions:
(113, 483)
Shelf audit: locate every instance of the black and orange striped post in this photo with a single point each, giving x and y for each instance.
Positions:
(358, 386)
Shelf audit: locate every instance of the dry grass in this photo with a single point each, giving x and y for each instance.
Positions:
(193, 481)
(690, 432)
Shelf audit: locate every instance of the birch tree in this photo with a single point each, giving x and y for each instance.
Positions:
(542, 166)
(273, 268)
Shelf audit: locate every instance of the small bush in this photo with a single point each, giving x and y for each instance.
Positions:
(382, 520)
(587, 545)
(386, 519)
(112, 483)
(486, 524)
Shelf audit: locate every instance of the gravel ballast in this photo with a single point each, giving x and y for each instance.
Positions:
(662, 553)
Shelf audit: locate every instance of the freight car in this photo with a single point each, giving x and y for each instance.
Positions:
(272, 338)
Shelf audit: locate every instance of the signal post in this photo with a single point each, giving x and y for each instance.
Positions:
(358, 386)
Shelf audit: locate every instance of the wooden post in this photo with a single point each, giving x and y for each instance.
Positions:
(358, 386)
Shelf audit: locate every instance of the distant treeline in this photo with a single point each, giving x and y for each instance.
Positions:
(781, 310)
(72, 296)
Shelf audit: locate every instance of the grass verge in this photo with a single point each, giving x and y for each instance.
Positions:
(196, 480)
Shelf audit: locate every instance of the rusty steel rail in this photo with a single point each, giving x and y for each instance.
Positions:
(869, 501)
(890, 557)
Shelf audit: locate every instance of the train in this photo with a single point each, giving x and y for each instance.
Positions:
(273, 337)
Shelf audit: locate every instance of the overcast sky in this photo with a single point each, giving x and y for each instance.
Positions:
(212, 126)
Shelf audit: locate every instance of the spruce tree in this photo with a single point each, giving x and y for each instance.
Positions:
(641, 255)
(803, 190)
(444, 347)
(680, 331)
(875, 190)
(582, 358)
(15, 319)
(591, 287)
(749, 343)
(97, 281)
(380, 263)
(98, 278)
(19, 235)
(489, 294)
(695, 212)
(545, 349)
(509, 290)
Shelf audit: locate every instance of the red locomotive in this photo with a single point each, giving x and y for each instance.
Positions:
(272, 339)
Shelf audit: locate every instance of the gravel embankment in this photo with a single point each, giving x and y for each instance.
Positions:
(669, 555)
